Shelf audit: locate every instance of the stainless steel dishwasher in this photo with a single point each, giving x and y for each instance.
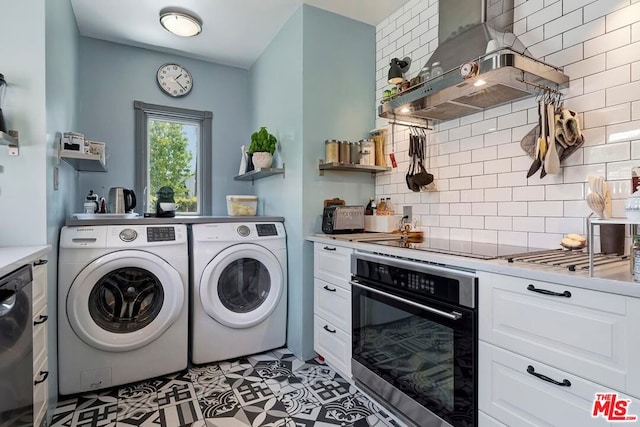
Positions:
(16, 347)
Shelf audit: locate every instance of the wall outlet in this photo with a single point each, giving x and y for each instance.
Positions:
(406, 211)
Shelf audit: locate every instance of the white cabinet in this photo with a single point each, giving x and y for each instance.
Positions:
(535, 335)
(40, 357)
(332, 306)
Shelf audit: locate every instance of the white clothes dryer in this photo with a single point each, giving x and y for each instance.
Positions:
(239, 290)
(122, 304)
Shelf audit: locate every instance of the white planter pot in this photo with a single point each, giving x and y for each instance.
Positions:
(261, 159)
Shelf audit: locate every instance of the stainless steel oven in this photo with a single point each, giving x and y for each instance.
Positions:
(415, 333)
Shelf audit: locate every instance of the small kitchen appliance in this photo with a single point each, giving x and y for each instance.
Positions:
(121, 200)
(343, 219)
(165, 203)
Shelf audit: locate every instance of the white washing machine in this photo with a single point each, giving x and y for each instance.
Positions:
(122, 304)
(239, 290)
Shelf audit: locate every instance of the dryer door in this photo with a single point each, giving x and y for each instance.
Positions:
(124, 300)
(241, 286)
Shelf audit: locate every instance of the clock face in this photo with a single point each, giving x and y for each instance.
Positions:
(174, 80)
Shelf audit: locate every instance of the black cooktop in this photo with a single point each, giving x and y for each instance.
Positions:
(459, 247)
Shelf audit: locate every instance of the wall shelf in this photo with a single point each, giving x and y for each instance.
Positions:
(11, 141)
(259, 174)
(84, 162)
(336, 166)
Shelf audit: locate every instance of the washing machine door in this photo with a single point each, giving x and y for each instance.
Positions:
(241, 286)
(124, 300)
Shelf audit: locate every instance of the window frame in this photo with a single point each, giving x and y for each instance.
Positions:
(144, 111)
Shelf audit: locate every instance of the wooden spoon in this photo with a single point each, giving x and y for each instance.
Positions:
(551, 160)
(596, 203)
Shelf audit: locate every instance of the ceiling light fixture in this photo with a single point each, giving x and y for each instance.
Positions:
(180, 23)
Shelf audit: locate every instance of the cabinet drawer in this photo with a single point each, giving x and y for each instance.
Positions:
(333, 344)
(40, 393)
(588, 334)
(513, 396)
(333, 303)
(332, 264)
(39, 286)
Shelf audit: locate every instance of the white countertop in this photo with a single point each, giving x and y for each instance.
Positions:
(617, 280)
(13, 257)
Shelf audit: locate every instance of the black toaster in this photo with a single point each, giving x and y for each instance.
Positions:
(343, 219)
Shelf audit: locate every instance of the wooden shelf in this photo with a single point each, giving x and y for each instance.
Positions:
(259, 174)
(84, 162)
(11, 141)
(350, 167)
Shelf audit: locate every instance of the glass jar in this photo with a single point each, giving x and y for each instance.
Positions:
(635, 258)
(345, 152)
(367, 152)
(355, 153)
(425, 73)
(436, 69)
(331, 151)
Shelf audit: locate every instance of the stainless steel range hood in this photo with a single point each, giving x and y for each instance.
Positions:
(479, 44)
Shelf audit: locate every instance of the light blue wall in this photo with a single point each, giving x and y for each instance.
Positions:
(62, 40)
(315, 81)
(112, 76)
(276, 95)
(23, 204)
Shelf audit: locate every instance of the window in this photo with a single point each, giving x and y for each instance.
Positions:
(173, 149)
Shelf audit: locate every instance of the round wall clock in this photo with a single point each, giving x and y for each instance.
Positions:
(174, 80)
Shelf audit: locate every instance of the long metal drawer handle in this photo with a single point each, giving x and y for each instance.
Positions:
(327, 248)
(532, 288)
(565, 382)
(43, 318)
(329, 289)
(454, 315)
(40, 262)
(326, 328)
(44, 375)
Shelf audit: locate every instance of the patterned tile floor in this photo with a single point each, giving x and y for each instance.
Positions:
(269, 389)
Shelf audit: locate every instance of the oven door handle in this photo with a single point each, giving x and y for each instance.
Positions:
(454, 315)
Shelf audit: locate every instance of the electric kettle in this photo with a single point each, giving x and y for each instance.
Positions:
(121, 200)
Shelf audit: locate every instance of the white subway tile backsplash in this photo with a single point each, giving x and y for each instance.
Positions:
(608, 41)
(623, 93)
(487, 236)
(482, 190)
(607, 79)
(513, 209)
(602, 8)
(525, 223)
(608, 115)
(482, 154)
(484, 181)
(555, 208)
(563, 23)
(623, 17)
(497, 166)
(497, 223)
(565, 192)
(623, 55)
(584, 32)
(530, 193)
(607, 153)
(497, 194)
(484, 126)
(565, 225)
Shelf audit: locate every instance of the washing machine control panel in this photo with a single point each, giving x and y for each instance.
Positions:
(243, 230)
(161, 234)
(128, 235)
(266, 229)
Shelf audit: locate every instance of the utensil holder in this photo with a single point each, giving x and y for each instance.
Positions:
(612, 238)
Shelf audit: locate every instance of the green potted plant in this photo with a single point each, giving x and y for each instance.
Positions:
(262, 147)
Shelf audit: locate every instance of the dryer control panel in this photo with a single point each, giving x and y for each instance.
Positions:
(161, 234)
(266, 230)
